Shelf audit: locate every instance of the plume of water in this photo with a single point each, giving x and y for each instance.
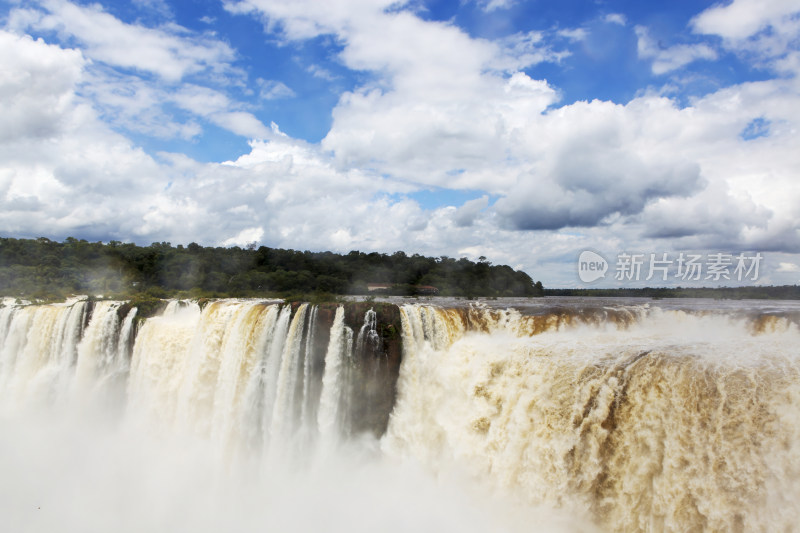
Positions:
(632, 418)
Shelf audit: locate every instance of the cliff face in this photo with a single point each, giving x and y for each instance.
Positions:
(373, 365)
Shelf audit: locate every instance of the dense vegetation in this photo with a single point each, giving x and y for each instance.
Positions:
(45, 269)
(785, 292)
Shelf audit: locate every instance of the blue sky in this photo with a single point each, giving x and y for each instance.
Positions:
(524, 131)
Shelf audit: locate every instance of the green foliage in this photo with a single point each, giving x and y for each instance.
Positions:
(41, 268)
(785, 292)
(147, 306)
(314, 298)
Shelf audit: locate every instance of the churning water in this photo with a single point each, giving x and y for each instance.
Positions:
(252, 415)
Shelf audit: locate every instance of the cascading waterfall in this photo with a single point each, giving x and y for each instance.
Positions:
(286, 404)
(368, 337)
(39, 351)
(244, 373)
(98, 350)
(632, 418)
(309, 391)
(654, 421)
(339, 347)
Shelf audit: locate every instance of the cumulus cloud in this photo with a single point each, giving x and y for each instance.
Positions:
(667, 59)
(438, 108)
(36, 87)
(465, 215)
(438, 115)
(522, 50)
(165, 51)
(79, 176)
(742, 18)
(599, 160)
(766, 30)
(136, 105)
(443, 106)
(241, 123)
(306, 19)
(133, 99)
(74, 163)
(750, 201)
(245, 237)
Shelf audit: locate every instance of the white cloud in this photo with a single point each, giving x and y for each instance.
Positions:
(616, 18)
(442, 116)
(35, 87)
(274, 90)
(306, 19)
(751, 200)
(216, 107)
(465, 215)
(241, 123)
(741, 19)
(440, 108)
(667, 59)
(493, 5)
(133, 100)
(522, 50)
(321, 73)
(597, 160)
(201, 100)
(574, 34)
(245, 237)
(167, 52)
(136, 105)
(766, 30)
(159, 6)
(788, 267)
(80, 175)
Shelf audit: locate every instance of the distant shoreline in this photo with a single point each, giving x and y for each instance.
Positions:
(781, 292)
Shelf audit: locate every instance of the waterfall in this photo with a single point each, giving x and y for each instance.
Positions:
(269, 372)
(40, 348)
(126, 337)
(368, 335)
(285, 409)
(248, 419)
(310, 391)
(237, 353)
(330, 404)
(657, 421)
(98, 350)
(628, 417)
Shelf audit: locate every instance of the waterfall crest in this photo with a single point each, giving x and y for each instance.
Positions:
(633, 418)
(657, 421)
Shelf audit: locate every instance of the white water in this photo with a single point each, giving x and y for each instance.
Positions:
(339, 346)
(39, 367)
(633, 419)
(676, 423)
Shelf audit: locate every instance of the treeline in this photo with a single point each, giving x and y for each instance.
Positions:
(784, 292)
(42, 269)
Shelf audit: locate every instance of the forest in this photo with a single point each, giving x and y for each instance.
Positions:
(46, 269)
(779, 292)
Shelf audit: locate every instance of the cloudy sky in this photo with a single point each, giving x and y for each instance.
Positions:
(523, 131)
